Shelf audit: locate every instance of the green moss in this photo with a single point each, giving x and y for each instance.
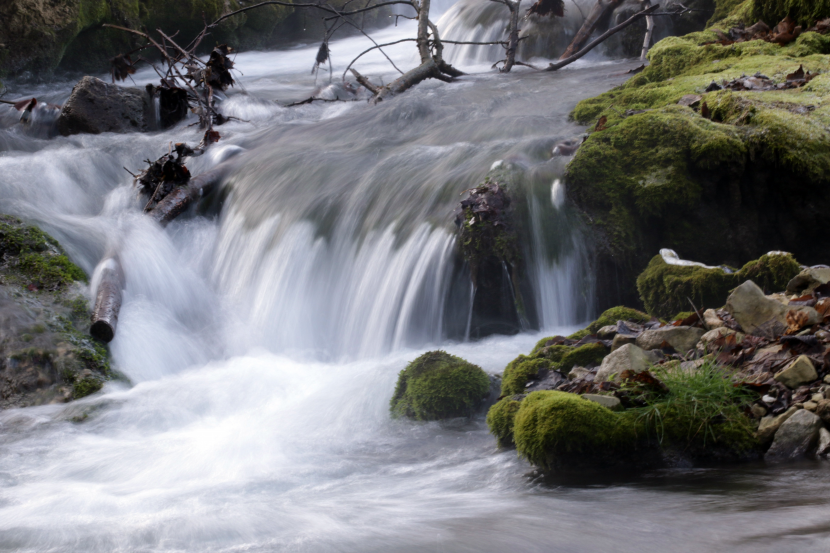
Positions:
(520, 371)
(666, 289)
(86, 386)
(34, 257)
(500, 419)
(583, 356)
(557, 429)
(438, 385)
(619, 313)
(579, 334)
(803, 12)
(682, 315)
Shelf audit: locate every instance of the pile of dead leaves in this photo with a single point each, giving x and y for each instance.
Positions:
(760, 83)
(785, 32)
(217, 71)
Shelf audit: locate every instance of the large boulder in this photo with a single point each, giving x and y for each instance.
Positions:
(95, 107)
(438, 386)
(752, 309)
(681, 338)
(796, 436)
(627, 358)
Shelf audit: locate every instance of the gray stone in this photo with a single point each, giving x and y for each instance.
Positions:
(823, 410)
(770, 424)
(628, 357)
(752, 309)
(807, 280)
(607, 332)
(796, 436)
(578, 372)
(823, 442)
(609, 402)
(797, 373)
(681, 338)
(95, 107)
(716, 333)
(711, 320)
(622, 339)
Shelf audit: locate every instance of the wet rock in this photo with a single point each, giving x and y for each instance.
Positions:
(549, 380)
(823, 442)
(796, 436)
(609, 402)
(807, 280)
(607, 332)
(770, 424)
(752, 309)
(580, 372)
(681, 338)
(823, 410)
(622, 339)
(628, 357)
(711, 319)
(799, 372)
(95, 107)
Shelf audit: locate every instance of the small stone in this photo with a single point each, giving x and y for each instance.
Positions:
(577, 373)
(711, 320)
(810, 406)
(609, 402)
(799, 372)
(607, 332)
(690, 100)
(716, 333)
(816, 398)
(823, 442)
(628, 357)
(681, 338)
(807, 280)
(795, 437)
(826, 379)
(758, 411)
(823, 410)
(620, 340)
(770, 424)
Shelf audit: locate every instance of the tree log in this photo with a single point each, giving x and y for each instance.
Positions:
(177, 201)
(107, 300)
(597, 14)
(602, 37)
(647, 39)
(409, 79)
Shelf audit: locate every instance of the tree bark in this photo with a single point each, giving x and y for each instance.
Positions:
(107, 300)
(600, 9)
(513, 38)
(409, 79)
(647, 39)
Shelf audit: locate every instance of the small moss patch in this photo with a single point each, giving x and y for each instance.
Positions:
(437, 386)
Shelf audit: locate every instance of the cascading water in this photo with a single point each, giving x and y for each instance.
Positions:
(262, 343)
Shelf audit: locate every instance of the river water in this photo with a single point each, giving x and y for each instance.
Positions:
(262, 342)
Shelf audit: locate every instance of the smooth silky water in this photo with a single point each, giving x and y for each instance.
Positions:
(262, 343)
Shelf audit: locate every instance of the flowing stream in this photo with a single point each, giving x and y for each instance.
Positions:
(262, 342)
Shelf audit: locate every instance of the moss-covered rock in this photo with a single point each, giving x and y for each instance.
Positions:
(667, 177)
(614, 314)
(560, 430)
(520, 371)
(666, 289)
(803, 12)
(500, 419)
(437, 386)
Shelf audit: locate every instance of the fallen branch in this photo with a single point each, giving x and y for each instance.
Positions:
(597, 14)
(180, 198)
(562, 63)
(107, 299)
(647, 39)
(366, 83)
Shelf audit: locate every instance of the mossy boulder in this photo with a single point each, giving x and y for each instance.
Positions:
(666, 289)
(520, 371)
(560, 430)
(720, 189)
(438, 386)
(500, 419)
(561, 358)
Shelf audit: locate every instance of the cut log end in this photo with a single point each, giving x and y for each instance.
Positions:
(102, 330)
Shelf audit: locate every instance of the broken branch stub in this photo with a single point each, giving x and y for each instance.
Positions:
(107, 299)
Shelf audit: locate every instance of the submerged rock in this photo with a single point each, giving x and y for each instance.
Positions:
(45, 354)
(438, 386)
(95, 107)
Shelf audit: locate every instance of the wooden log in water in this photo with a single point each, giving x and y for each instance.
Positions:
(107, 300)
(177, 201)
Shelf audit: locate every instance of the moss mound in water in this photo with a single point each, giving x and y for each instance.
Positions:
(500, 419)
(561, 358)
(666, 289)
(720, 185)
(562, 430)
(437, 386)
